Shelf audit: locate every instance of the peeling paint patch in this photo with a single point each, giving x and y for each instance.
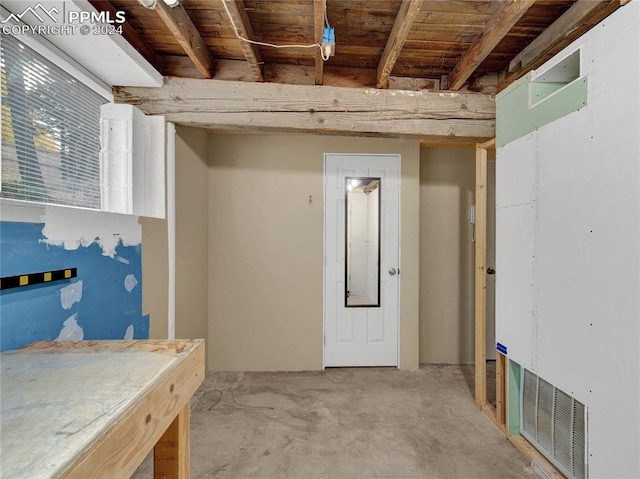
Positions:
(122, 260)
(31, 314)
(73, 227)
(71, 294)
(130, 282)
(129, 333)
(71, 331)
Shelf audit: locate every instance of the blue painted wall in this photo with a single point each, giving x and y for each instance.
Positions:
(35, 313)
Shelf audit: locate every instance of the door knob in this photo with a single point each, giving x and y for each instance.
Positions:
(392, 271)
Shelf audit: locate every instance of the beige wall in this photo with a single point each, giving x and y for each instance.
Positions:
(410, 258)
(155, 275)
(266, 248)
(249, 249)
(192, 233)
(447, 189)
(192, 211)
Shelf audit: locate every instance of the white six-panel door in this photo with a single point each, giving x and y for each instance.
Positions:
(361, 336)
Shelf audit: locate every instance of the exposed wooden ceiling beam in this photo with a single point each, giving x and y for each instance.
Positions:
(251, 52)
(129, 33)
(494, 30)
(402, 26)
(182, 28)
(555, 33)
(307, 108)
(318, 30)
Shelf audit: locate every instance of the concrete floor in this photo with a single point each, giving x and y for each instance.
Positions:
(346, 423)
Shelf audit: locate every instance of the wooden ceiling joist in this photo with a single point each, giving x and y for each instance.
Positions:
(420, 115)
(493, 32)
(242, 23)
(184, 31)
(318, 30)
(557, 32)
(382, 43)
(402, 26)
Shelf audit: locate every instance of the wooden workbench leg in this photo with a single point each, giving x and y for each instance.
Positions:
(171, 453)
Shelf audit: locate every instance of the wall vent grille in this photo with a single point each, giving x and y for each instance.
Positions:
(554, 423)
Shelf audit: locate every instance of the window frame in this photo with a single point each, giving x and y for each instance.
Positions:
(55, 55)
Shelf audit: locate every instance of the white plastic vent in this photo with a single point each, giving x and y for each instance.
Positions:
(555, 423)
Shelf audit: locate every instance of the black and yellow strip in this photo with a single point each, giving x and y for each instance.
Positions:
(30, 279)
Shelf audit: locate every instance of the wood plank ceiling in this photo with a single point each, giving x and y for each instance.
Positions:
(472, 45)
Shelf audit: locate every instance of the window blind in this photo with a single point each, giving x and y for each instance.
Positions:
(50, 131)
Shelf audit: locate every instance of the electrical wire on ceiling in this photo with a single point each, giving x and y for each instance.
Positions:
(323, 51)
(326, 20)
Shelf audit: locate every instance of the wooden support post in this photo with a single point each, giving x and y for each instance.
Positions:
(501, 388)
(171, 453)
(481, 278)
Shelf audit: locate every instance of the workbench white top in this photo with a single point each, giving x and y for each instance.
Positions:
(57, 400)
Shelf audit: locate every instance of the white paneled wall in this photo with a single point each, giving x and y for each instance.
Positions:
(568, 247)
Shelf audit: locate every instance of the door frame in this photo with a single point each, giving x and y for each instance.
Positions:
(497, 414)
(324, 248)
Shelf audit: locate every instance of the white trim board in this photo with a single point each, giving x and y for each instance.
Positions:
(108, 58)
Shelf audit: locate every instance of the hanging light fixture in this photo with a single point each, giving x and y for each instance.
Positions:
(151, 4)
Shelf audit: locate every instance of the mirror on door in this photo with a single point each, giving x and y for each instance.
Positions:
(362, 269)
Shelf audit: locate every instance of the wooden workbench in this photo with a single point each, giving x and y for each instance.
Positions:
(95, 409)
